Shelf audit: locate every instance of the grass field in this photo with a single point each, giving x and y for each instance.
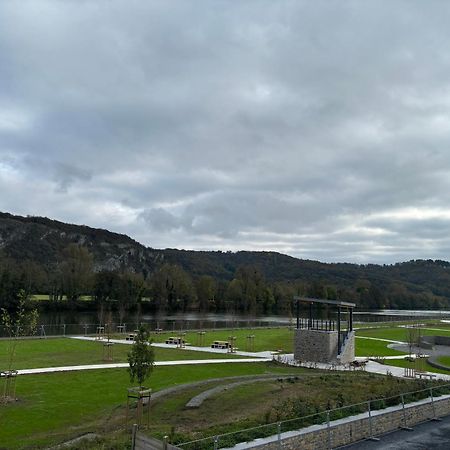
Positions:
(401, 333)
(54, 352)
(58, 406)
(368, 347)
(444, 360)
(424, 365)
(265, 338)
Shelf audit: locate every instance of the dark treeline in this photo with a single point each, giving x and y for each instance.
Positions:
(170, 288)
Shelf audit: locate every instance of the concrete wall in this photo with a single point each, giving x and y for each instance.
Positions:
(429, 341)
(348, 351)
(322, 346)
(356, 428)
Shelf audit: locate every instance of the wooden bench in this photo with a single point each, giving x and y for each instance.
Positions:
(131, 337)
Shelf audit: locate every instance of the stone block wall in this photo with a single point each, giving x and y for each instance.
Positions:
(356, 428)
(322, 346)
(315, 345)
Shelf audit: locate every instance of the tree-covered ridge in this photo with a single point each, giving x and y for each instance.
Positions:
(68, 261)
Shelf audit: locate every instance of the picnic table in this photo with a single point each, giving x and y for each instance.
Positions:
(221, 344)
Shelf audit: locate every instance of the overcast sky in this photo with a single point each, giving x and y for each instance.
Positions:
(320, 129)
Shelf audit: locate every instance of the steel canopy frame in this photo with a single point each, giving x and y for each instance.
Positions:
(337, 304)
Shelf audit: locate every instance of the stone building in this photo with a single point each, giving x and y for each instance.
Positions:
(326, 335)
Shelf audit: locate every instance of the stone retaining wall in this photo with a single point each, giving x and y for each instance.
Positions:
(356, 428)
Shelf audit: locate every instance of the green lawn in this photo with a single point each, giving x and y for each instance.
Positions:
(424, 365)
(444, 360)
(58, 406)
(54, 352)
(368, 347)
(265, 338)
(400, 333)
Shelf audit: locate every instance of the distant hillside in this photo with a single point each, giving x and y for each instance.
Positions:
(43, 241)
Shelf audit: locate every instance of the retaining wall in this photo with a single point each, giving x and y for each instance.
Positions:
(428, 342)
(356, 428)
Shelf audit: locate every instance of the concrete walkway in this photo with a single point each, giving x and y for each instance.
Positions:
(122, 365)
(380, 339)
(371, 366)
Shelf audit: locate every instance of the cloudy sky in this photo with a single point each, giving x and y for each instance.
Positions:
(320, 129)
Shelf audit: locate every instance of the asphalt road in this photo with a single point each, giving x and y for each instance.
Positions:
(426, 436)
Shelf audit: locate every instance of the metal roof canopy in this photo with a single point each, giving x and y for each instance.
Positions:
(336, 303)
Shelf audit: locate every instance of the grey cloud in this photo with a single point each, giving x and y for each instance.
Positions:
(161, 220)
(254, 125)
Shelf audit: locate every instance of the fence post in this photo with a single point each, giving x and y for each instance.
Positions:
(329, 430)
(216, 442)
(405, 424)
(435, 418)
(64, 329)
(133, 436)
(165, 439)
(279, 434)
(371, 436)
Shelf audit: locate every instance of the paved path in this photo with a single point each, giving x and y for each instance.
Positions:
(371, 366)
(380, 339)
(266, 354)
(121, 365)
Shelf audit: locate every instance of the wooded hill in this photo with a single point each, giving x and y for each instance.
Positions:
(46, 256)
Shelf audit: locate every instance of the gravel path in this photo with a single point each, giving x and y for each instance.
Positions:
(244, 378)
(196, 401)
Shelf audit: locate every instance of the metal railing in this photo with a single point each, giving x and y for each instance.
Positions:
(317, 324)
(324, 418)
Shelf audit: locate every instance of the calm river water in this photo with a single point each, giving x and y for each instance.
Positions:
(57, 323)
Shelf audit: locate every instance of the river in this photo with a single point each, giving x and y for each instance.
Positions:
(60, 323)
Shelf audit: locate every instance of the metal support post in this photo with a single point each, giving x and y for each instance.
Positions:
(405, 423)
(279, 434)
(165, 440)
(371, 436)
(216, 442)
(133, 436)
(339, 329)
(329, 430)
(435, 418)
(64, 329)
